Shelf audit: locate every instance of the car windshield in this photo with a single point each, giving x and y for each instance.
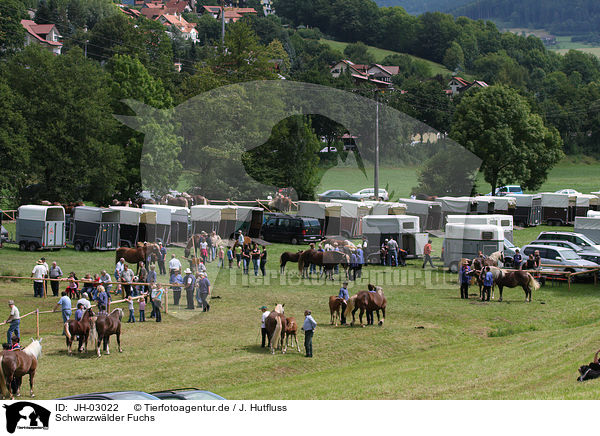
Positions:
(584, 241)
(508, 244)
(515, 189)
(570, 255)
(313, 223)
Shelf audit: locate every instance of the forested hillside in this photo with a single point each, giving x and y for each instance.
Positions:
(419, 6)
(562, 17)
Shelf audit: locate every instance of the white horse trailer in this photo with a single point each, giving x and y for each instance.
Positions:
(135, 225)
(171, 222)
(429, 212)
(457, 206)
(328, 214)
(41, 227)
(94, 228)
(504, 221)
(589, 226)
(528, 209)
(351, 215)
(555, 208)
(467, 240)
(403, 228)
(502, 205)
(206, 218)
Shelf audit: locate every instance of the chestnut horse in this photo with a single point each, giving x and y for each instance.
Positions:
(137, 254)
(107, 325)
(367, 301)
(327, 259)
(276, 326)
(15, 364)
(335, 303)
(286, 257)
(79, 328)
(291, 330)
(513, 279)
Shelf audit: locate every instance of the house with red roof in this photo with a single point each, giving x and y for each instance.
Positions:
(180, 25)
(154, 9)
(376, 74)
(46, 35)
(457, 85)
(231, 14)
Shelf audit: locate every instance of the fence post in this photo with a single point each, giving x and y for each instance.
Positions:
(37, 322)
(167, 300)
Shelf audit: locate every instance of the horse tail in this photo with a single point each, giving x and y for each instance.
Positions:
(350, 306)
(535, 285)
(93, 334)
(3, 387)
(276, 339)
(67, 332)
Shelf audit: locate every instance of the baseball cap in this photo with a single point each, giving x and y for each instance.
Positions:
(11, 302)
(262, 307)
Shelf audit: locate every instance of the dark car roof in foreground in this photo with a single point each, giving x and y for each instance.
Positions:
(116, 395)
(182, 393)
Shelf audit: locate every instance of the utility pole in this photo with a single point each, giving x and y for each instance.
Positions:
(85, 29)
(223, 24)
(376, 175)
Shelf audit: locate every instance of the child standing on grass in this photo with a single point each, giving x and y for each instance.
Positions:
(221, 255)
(230, 257)
(130, 307)
(143, 309)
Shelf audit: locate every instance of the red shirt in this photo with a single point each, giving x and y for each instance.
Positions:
(427, 249)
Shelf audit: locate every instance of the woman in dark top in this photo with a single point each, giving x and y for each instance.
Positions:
(246, 258)
(263, 260)
(530, 265)
(255, 253)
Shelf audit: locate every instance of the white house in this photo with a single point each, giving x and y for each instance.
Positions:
(46, 35)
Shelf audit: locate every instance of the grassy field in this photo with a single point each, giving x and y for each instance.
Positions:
(570, 173)
(433, 345)
(379, 54)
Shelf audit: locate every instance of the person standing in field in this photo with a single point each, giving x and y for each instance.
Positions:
(38, 273)
(189, 282)
(156, 296)
(255, 255)
(174, 264)
(464, 280)
(263, 261)
(344, 296)
(488, 282)
(203, 292)
(177, 279)
(14, 322)
(427, 254)
(143, 309)
(162, 255)
(55, 274)
(127, 279)
(131, 309)
(230, 257)
(65, 304)
(105, 281)
(221, 255)
(309, 327)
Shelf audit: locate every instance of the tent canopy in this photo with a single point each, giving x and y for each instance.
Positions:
(524, 200)
(206, 212)
(552, 199)
(456, 204)
(351, 208)
(133, 216)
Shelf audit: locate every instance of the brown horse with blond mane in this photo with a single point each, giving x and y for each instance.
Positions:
(276, 325)
(367, 301)
(79, 328)
(15, 364)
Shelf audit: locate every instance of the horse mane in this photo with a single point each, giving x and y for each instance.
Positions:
(34, 349)
(495, 256)
(120, 313)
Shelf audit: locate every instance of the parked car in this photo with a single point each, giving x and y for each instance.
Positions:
(119, 395)
(292, 230)
(187, 394)
(329, 150)
(576, 238)
(369, 193)
(559, 257)
(568, 192)
(337, 194)
(506, 190)
(566, 244)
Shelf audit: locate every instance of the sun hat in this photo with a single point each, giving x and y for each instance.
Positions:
(188, 271)
(11, 302)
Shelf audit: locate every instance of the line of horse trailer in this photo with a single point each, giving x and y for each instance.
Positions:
(95, 228)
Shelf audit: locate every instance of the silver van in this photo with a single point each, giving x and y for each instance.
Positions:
(559, 256)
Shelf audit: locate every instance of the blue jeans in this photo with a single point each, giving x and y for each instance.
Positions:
(255, 263)
(14, 327)
(66, 314)
(131, 315)
(245, 261)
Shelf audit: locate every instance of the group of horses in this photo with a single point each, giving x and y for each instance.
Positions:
(280, 329)
(95, 327)
(367, 302)
(328, 260)
(502, 278)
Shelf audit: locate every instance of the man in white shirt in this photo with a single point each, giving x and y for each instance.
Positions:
(265, 314)
(14, 319)
(174, 264)
(39, 271)
(84, 301)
